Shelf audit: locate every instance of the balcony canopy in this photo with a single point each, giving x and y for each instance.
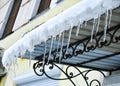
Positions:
(85, 35)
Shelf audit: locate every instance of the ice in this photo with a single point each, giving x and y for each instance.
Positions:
(58, 44)
(85, 23)
(78, 28)
(62, 42)
(30, 59)
(44, 54)
(106, 25)
(51, 46)
(98, 23)
(68, 42)
(92, 33)
(14, 65)
(110, 16)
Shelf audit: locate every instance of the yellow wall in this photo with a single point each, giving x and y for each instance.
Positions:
(22, 68)
(23, 65)
(2, 82)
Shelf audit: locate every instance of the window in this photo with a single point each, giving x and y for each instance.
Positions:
(43, 5)
(12, 17)
(28, 10)
(5, 9)
(16, 13)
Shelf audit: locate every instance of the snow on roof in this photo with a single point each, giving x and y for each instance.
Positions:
(74, 16)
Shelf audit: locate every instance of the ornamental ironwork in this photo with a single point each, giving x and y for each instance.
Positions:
(40, 69)
(111, 37)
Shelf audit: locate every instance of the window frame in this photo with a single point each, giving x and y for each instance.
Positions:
(11, 19)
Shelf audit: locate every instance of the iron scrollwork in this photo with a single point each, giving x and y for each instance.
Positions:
(40, 69)
(75, 49)
(85, 45)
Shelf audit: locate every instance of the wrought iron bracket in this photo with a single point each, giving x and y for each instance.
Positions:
(40, 69)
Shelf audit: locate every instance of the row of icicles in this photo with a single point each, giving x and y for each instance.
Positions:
(96, 23)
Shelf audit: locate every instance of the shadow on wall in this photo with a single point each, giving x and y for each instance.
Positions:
(113, 80)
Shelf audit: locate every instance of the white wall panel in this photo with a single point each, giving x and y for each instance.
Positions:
(26, 12)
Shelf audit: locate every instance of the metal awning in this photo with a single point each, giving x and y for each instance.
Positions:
(104, 58)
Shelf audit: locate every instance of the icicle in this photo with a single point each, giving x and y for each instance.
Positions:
(81, 25)
(44, 54)
(70, 32)
(58, 42)
(61, 47)
(30, 52)
(30, 59)
(78, 29)
(85, 23)
(92, 33)
(14, 65)
(50, 49)
(98, 23)
(55, 38)
(106, 24)
(110, 16)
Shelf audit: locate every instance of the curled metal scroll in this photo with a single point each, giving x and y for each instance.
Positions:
(85, 45)
(40, 69)
(74, 50)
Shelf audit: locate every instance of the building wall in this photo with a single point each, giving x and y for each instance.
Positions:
(23, 66)
(79, 80)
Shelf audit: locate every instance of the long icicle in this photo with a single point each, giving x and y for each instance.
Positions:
(30, 55)
(14, 64)
(30, 59)
(44, 53)
(110, 16)
(50, 49)
(61, 47)
(81, 26)
(98, 23)
(85, 23)
(58, 44)
(78, 29)
(70, 32)
(55, 38)
(106, 25)
(94, 24)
